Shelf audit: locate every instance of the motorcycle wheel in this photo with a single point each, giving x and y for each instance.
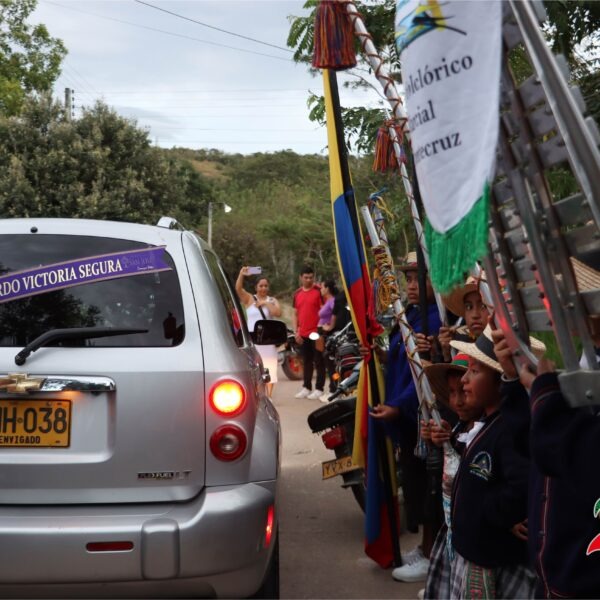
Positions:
(359, 491)
(293, 367)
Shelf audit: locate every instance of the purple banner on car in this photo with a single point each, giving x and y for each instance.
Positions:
(81, 271)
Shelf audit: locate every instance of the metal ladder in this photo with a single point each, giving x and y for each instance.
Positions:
(534, 236)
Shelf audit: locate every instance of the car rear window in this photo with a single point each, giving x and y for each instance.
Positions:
(149, 301)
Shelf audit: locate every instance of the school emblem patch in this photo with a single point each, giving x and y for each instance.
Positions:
(481, 465)
(594, 545)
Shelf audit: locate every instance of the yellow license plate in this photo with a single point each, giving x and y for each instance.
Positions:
(35, 423)
(331, 468)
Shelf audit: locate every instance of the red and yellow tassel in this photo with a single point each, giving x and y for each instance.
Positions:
(385, 157)
(334, 46)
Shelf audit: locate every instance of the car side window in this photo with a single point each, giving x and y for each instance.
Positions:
(234, 314)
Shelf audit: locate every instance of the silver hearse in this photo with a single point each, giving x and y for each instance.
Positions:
(139, 453)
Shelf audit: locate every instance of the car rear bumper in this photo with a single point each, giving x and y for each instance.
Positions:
(212, 545)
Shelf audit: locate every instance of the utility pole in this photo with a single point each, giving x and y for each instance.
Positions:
(69, 103)
(226, 208)
(210, 214)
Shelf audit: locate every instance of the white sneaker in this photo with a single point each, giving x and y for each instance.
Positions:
(303, 393)
(410, 557)
(324, 398)
(315, 395)
(416, 571)
(421, 594)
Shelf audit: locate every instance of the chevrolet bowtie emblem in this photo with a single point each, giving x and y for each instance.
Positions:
(20, 383)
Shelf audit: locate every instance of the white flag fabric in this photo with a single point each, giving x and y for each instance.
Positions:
(450, 54)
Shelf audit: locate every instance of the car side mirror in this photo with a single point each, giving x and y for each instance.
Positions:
(269, 332)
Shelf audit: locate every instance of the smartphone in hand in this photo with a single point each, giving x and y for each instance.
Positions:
(254, 270)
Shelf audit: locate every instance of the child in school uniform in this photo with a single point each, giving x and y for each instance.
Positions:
(445, 381)
(564, 489)
(489, 497)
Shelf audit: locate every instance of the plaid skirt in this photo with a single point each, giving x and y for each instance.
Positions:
(439, 576)
(469, 581)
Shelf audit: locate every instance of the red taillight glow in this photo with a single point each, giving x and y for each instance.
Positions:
(227, 397)
(269, 527)
(333, 438)
(109, 546)
(228, 442)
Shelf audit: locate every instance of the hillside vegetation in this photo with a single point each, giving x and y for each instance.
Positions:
(281, 217)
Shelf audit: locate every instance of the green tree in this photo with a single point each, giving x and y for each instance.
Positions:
(281, 214)
(100, 166)
(29, 57)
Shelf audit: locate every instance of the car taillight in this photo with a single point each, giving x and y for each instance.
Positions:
(333, 438)
(269, 526)
(228, 442)
(227, 397)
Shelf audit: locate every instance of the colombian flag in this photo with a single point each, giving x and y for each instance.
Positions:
(371, 449)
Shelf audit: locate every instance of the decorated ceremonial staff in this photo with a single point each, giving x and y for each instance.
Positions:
(384, 263)
(333, 15)
(372, 450)
(373, 219)
(333, 47)
(396, 131)
(397, 128)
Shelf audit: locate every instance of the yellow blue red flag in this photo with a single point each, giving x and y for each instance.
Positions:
(371, 450)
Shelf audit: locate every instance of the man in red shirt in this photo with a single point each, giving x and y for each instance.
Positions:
(307, 302)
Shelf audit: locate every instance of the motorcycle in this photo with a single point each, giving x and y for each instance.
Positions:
(334, 422)
(290, 359)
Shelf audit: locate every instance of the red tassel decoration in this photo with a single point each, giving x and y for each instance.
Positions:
(385, 156)
(334, 37)
(382, 150)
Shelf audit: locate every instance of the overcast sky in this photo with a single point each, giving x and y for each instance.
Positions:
(222, 92)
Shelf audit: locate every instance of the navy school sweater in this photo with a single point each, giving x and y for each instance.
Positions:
(399, 385)
(490, 496)
(564, 494)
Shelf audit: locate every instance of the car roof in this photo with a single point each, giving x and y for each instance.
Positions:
(150, 234)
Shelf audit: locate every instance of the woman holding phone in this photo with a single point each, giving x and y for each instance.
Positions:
(260, 306)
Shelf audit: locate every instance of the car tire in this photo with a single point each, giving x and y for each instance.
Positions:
(270, 585)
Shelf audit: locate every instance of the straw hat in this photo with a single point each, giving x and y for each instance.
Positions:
(483, 349)
(437, 375)
(586, 277)
(454, 301)
(410, 262)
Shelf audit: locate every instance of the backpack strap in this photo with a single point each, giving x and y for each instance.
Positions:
(260, 308)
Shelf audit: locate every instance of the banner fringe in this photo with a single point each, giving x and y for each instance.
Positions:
(453, 253)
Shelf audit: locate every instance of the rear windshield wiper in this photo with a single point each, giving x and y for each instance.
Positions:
(74, 333)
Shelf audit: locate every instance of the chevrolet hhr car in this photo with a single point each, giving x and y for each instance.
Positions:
(139, 452)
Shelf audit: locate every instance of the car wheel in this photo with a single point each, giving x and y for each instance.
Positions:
(270, 586)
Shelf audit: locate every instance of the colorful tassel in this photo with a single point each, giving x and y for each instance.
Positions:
(334, 37)
(385, 156)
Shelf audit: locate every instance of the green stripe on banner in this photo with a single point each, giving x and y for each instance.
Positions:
(453, 253)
